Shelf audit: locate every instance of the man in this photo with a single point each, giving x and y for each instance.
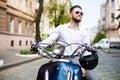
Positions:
(72, 32)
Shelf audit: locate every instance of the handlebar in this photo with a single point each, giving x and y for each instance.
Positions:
(51, 54)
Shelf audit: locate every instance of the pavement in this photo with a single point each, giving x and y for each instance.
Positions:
(111, 50)
(12, 58)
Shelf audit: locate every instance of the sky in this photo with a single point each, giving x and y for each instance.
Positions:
(91, 10)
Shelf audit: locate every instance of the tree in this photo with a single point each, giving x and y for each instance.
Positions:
(39, 12)
(99, 36)
(57, 12)
(63, 17)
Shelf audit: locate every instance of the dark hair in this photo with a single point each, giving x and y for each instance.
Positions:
(75, 6)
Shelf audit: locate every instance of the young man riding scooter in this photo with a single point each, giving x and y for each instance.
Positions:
(72, 32)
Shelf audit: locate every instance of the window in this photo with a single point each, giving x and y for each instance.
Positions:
(12, 2)
(12, 43)
(20, 4)
(20, 43)
(112, 2)
(26, 5)
(30, 29)
(36, 4)
(26, 43)
(19, 27)
(12, 25)
(31, 42)
(30, 5)
(112, 17)
(26, 28)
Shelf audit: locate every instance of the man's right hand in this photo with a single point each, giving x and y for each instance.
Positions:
(34, 47)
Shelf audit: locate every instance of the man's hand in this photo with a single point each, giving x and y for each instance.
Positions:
(89, 48)
(83, 72)
(34, 47)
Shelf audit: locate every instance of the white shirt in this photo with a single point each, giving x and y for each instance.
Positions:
(64, 35)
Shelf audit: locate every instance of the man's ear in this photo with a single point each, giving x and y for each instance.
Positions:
(70, 14)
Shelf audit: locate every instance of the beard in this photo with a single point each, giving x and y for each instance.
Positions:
(76, 20)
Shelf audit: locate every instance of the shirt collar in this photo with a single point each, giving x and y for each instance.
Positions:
(69, 26)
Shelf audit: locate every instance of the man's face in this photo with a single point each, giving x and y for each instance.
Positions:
(76, 15)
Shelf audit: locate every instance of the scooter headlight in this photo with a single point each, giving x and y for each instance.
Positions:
(58, 49)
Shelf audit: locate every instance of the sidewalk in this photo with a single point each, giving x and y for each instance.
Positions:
(112, 50)
(12, 58)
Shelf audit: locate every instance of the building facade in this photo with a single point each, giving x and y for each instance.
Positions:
(110, 23)
(16, 24)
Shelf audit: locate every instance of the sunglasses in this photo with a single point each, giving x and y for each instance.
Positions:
(77, 12)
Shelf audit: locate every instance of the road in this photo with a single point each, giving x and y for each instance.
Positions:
(107, 69)
(26, 71)
(109, 66)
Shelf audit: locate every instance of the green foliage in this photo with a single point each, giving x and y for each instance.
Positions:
(49, 49)
(98, 37)
(26, 52)
(63, 16)
(64, 19)
(57, 13)
(44, 36)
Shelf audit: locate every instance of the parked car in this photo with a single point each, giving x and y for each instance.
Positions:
(103, 43)
(107, 43)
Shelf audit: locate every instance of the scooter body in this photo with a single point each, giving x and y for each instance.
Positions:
(60, 69)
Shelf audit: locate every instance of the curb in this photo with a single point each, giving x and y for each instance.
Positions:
(111, 51)
(18, 63)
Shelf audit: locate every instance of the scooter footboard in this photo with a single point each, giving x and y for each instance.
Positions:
(59, 71)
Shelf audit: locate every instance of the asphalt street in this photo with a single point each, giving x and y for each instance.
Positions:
(109, 66)
(107, 69)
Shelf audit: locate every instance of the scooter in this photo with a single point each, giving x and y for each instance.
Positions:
(60, 66)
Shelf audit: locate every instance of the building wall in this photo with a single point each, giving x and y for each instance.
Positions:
(111, 27)
(2, 16)
(16, 40)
